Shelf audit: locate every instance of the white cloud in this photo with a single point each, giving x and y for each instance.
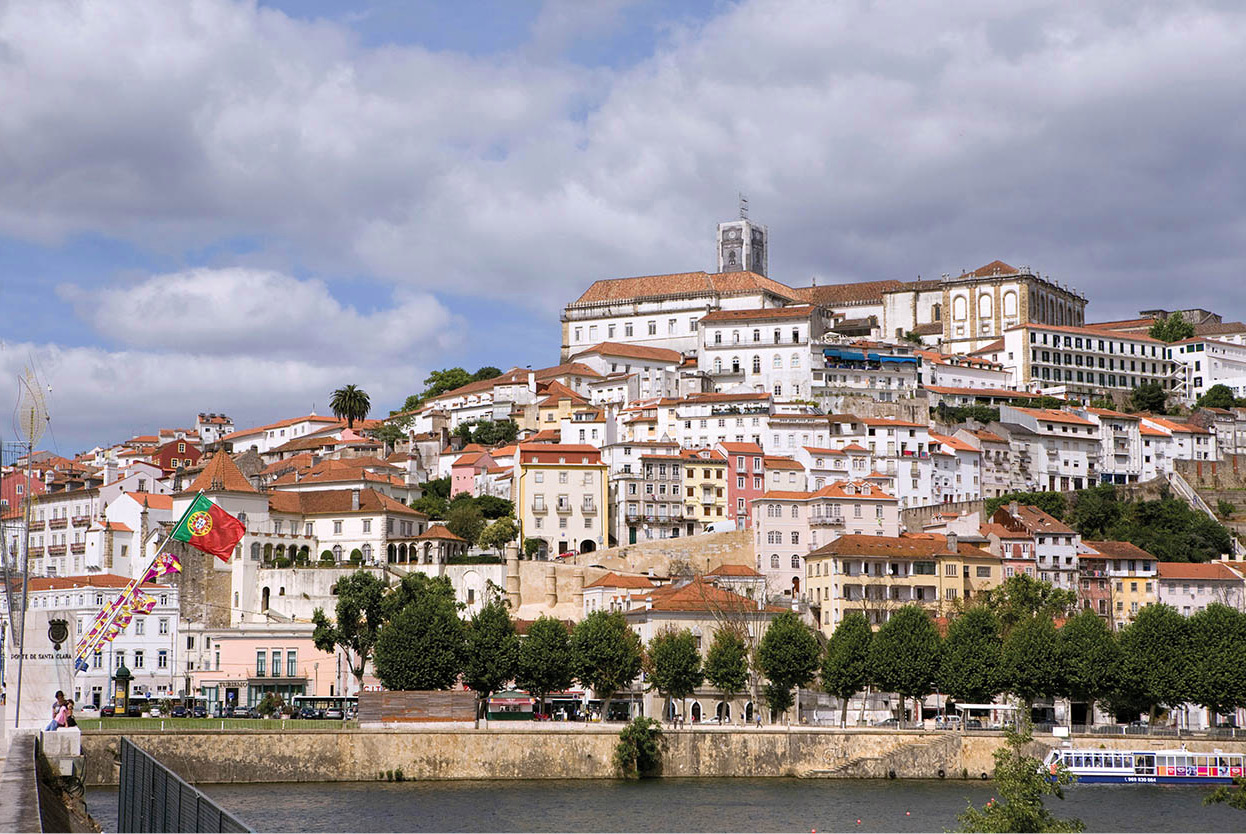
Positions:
(242, 311)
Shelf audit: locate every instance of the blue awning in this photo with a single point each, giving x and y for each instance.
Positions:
(878, 357)
(836, 353)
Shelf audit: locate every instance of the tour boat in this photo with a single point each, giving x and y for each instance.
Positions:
(1173, 767)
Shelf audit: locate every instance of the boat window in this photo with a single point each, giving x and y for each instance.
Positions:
(1201, 761)
(1078, 760)
(1098, 760)
(1129, 760)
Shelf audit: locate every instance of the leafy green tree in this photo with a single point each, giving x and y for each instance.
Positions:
(1172, 531)
(389, 433)
(487, 372)
(499, 534)
(350, 403)
(1225, 509)
(545, 659)
(421, 645)
(492, 507)
(726, 663)
(1106, 403)
(1234, 797)
(431, 505)
(672, 664)
(1174, 328)
(1218, 673)
(1021, 782)
(1022, 597)
(1051, 503)
(846, 662)
(439, 487)
(970, 668)
(358, 617)
(491, 651)
(1156, 660)
(788, 656)
(465, 520)
(531, 547)
(606, 654)
(1096, 511)
(639, 751)
(905, 655)
(443, 381)
(270, 704)
(1149, 396)
(1089, 658)
(1030, 661)
(1217, 396)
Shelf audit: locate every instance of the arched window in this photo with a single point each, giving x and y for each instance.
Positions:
(774, 561)
(735, 337)
(735, 364)
(1010, 303)
(795, 561)
(756, 364)
(756, 335)
(718, 364)
(795, 512)
(255, 551)
(959, 306)
(778, 361)
(795, 537)
(366, 550)
(984, 306)
(795, 363)
(337, 553)
(936, 312)
(243, 518)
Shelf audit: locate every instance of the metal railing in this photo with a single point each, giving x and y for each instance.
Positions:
(150, 797)
(1183, 488)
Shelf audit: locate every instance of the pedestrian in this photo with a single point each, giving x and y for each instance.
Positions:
(61, 719)
(58, 703)
(69, 717)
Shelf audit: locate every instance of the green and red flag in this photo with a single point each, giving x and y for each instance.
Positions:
(209, 528)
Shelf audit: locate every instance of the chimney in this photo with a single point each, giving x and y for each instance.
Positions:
(354, 500)
(1014, 508)
(110, 472)
(951, 542)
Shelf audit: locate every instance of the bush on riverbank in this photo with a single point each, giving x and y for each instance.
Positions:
(640, 747)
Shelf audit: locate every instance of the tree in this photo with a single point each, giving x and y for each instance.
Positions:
(545, 659)
(499, 534)
(492, 507)
(487, 372)
(1105, 403)
(389, 433)
(465, 520)
(440, 382)
(606, 654)
(1149, 396)
(358, 617)
(432, 506)
(639, 751)
(1217, 396)
(1235, 797)
(350, 403)
(491, 651)
(270, 704)
(672, 664)
(726, 663)
(846, 663)
(788, 657)
(531, 547)
(1030, 661)
(1096, 512)
(1022, 782)
(439, 487)
(1155, 660)
(1174, 328)
(1089, 658)
(1022, 597)
(421, 645)
(970, 669)
(904, 655)
(1218, 673)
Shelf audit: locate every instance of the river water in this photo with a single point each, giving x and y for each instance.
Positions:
(677, 805)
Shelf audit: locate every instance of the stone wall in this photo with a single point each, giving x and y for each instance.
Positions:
(705, 552)
(580, 752)
(912, 519)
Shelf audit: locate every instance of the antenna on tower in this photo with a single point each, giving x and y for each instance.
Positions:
(743, 207)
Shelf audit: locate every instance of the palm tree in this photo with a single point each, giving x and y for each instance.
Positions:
(350, 404)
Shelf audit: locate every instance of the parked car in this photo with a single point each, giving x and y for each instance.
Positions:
(199, 712)
(136, 708)
(309, 713)
(973, 723)
(178, 711)
(948, 722)
(891, 723)
(333, 713)
(108, 710)
(88, 711)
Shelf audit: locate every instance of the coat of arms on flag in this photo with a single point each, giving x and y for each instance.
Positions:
(210, 529)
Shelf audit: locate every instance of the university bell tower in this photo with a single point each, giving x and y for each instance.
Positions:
(742, 244)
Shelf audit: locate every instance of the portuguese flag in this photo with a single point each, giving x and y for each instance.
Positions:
(209, 528)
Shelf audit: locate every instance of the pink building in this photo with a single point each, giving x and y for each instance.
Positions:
(243, 664)
(745, 480)
(466, 467)
(15, 486)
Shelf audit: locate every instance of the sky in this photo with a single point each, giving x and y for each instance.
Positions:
(238, 206)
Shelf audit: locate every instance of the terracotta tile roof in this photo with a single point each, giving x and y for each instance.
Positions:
(697, 595)
(119, 527)
(441, 532)
(709, 457)
(1209, 571)
(617, 580)
(704, 397)
(544, 436)
(855, 447)
(1107, 412)
(310, 418)
(1223, 328)
(221, 474)
(566, 369)
(996, 267)
(988, 436)
(345, 469)
(955, 442)
(677, 284)
(1054, 416)
(778, 462)
(1002, 532)
(1035, 520)
(68, 583)
(993, 347)
(558, 453)
(862, 491)
(838, 295)
(813, 450)
(933, 328)
(467, 459)
(1123, 324)
(303, 460)
(299, 444)
(1151, 431)
(733, 570)
(742, 448)
(154, 501)
(672, 357)
(1174, 426)
(924, 545)
(1098, 333)
(337, 502)
(1118, 550)
(793, 311)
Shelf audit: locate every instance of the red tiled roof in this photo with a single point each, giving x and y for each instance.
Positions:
(1054, 416)
(618, 580)
(741, 448)
(733, 570)
(697, 595)
(441, 532)
(119, 527)
(1098, 333)
(680, 283)
(672, 357)
(310, 418)
(983, 392)
(1118, 550)
(154, 501)
(1209, 571)
(925, 545)
(336, 502)
(995, 267)
(778, 462)
(566, 369)
(838, 295)
(221, 474)
(558, 453)
(67, 583)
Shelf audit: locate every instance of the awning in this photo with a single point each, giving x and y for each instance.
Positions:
(837, 353)
(878, 357)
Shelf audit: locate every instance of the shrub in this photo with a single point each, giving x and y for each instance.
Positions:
(282, 562)
(326, 556)
(1225, 509)
(356, 556)
(639, 751)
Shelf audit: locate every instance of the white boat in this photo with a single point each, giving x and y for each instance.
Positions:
(1173, 767)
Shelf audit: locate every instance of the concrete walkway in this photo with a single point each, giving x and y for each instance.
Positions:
(19, 789)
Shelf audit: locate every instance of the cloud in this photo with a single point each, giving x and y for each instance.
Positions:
(252, 312)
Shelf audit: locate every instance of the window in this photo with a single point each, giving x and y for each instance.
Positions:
(292, 663)
(138, 659)
(795, 562)
(774, 561)
(162, 659)
(140, 625)
(949, 570)
(337, 528)
(261, 663)
(795, 537)
(367, 525)
(163, 626)
(653, 328)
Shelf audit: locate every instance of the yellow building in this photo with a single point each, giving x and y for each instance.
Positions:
(879, 574)
(705, 488)
(556, 403)
(560, 497)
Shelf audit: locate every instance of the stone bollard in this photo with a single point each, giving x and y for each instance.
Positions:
(551, 586)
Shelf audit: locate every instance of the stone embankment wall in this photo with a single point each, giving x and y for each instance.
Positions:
(704, 552)
(202, 756)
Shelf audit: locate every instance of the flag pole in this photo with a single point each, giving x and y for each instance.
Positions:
(108, 615)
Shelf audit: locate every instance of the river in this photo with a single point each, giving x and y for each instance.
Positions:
(677, 805)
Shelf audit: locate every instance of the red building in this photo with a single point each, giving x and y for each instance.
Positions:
(176, 453)
(15, 486)
(745, 479)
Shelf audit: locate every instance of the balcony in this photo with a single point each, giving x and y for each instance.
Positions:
(56, 550)
(540, 507)
(36, 552)
(78, 548)
(58, 523)
(81, 520)
(563, 507)
(827, 521)
(588, 508)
